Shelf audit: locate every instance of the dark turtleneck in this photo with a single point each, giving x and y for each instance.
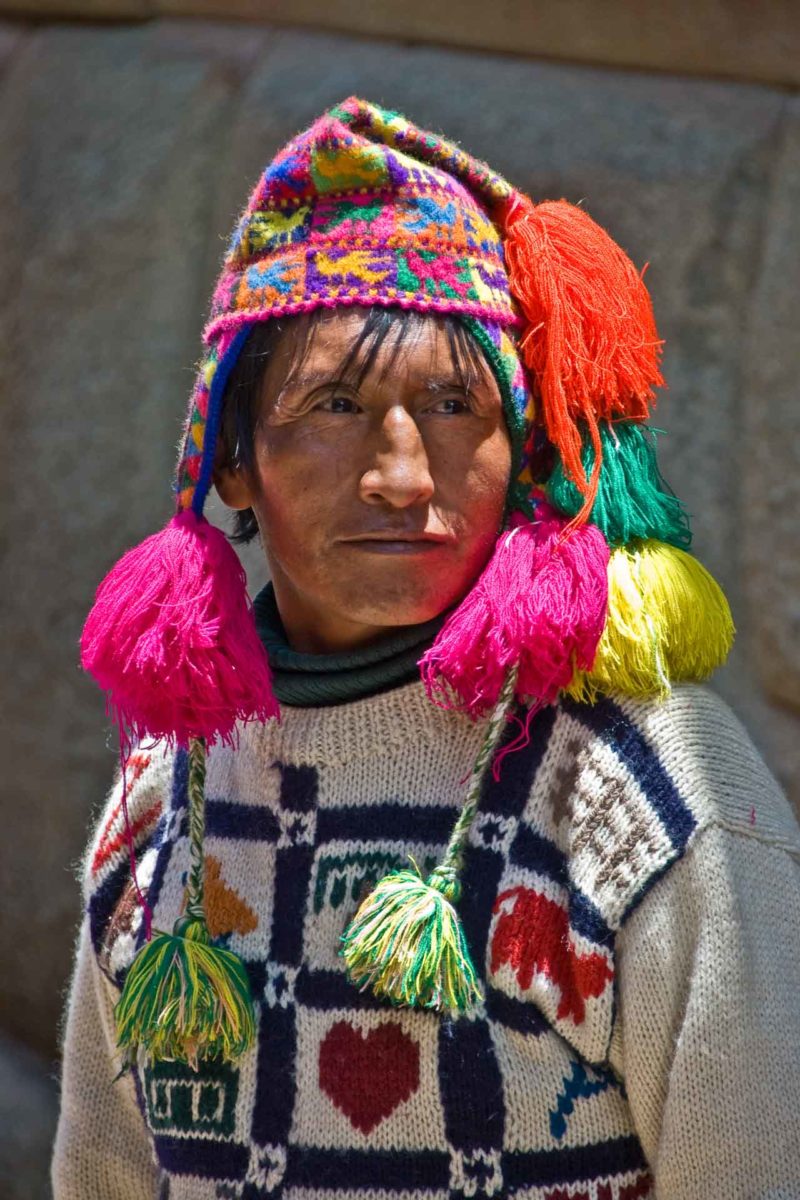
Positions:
(315, 680)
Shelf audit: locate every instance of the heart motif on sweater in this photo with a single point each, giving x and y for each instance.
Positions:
(368, 1074)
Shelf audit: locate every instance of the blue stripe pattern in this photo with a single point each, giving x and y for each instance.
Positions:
(542, 1168)
(474, 1118)
(248, 822)
(392, 822)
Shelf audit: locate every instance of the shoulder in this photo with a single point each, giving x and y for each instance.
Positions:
(148, 779)
(152, 773)
(714, 764)
(612, 797)
(649, 777)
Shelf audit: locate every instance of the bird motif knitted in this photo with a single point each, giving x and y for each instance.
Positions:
(597, 879)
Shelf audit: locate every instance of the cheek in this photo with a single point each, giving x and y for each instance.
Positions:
(290, 515)
(299, 469)
(289, 467)
(475, 488)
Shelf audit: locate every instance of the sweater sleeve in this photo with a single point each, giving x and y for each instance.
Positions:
(102, 1149)
(707, 1034)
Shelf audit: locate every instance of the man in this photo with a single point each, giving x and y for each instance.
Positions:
(526, 926)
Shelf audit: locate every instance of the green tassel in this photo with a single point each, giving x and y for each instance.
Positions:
(406, 942)
(185, 1000)
(633, 500)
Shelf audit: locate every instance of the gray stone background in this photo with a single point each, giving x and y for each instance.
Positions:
(126, 152)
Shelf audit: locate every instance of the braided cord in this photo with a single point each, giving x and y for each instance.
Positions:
(196, 791)
(445, 875)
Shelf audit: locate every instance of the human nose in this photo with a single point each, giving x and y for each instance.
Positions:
(400, 473)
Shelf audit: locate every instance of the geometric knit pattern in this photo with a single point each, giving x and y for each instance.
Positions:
(362, 208)
(342, 1095)
(350, 211)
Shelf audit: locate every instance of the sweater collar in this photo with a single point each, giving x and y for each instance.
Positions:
(316, 680)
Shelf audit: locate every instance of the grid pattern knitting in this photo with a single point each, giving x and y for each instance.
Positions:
(342, 1094)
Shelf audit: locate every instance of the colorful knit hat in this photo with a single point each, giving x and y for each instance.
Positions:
(590, 587)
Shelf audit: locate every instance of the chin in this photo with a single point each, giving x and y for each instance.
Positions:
(400, 607)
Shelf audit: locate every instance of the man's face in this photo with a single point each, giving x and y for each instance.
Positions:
(379, 501)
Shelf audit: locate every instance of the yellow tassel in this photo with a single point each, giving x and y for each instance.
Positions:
(668, 622)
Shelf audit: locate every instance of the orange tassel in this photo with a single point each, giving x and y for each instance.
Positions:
(590, 340)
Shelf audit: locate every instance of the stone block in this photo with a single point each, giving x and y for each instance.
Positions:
(106, 208)
(102, 10)
(771, 432)
(727, 38)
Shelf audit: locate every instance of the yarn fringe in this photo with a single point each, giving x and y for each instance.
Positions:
(406, 942)
(633, 500)
(539, 605)
(185, 1000)
(407, 945)
(590, 339)
(172, 640)
(668, 622)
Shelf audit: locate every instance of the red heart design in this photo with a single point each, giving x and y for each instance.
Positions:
(367, 1075)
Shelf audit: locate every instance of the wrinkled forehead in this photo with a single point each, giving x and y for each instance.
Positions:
(370, 346)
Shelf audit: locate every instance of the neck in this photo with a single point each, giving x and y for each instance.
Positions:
(331, 634)
(310, 629)
(310, 679)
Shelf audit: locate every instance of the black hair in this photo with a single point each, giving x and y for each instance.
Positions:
(242, 399)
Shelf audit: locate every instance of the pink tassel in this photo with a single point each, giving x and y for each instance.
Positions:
(172, 641)
(539, 604)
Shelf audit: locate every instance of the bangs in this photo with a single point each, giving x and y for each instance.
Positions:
(401, 328)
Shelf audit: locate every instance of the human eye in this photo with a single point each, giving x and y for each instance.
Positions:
(451, 406)
(337, 403)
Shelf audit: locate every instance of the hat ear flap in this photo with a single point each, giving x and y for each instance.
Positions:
(590, 339)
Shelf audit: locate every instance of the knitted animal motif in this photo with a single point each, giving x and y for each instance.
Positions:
(532, 936)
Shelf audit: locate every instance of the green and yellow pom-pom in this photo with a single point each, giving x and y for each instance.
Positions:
(406, 943)
(668, 622)
(185, 1000)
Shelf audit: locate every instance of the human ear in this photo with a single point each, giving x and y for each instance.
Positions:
(233, 487)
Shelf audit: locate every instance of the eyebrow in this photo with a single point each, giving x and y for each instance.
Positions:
(432, 384)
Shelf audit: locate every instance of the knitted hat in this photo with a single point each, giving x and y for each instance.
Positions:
(590, 587)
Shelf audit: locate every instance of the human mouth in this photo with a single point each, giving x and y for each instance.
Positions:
(394, 542)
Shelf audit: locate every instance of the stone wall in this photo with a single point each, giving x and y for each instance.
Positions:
(125, 155)
(734, 39)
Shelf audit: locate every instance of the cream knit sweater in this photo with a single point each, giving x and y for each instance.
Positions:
(631, 897)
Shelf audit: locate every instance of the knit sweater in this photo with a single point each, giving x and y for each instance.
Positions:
(631, 899)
